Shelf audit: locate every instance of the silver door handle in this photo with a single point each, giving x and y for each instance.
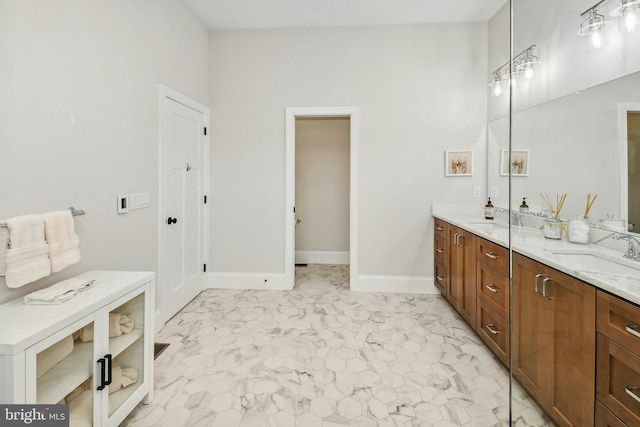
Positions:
(629, 390)
(539, 275)
(440, 250)
(298, 221)
(491, 255)
(491, 288)
(439, 278)
(632, 330)
(544, 288)
(439, 228)
(489, 327)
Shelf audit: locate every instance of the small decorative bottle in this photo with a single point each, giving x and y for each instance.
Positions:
(524, 208)
(489, 210)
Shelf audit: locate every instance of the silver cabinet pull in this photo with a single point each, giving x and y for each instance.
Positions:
(440, 250)
(456, 241)
(630, 391)
(490, 327)
(536, 282)
(460, 236)
(632, 329)
(439, 278)
(544, 288)
(439, 228)
(491, 255)
(491, 287)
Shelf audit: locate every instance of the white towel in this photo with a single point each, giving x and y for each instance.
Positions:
(4, 242)
(59, 292)
(64, 244)
(27, 259)
(81, 410)
(51, 356)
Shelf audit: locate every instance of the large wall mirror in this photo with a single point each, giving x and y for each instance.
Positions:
(583, 143)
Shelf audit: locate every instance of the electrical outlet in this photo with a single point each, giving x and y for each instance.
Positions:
(476, 191)
(494, 192)
(123, 203)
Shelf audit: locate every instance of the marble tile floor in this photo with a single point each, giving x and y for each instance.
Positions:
(322, 356)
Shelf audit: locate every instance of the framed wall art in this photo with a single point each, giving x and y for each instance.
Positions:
(519, 165)
(458, 163)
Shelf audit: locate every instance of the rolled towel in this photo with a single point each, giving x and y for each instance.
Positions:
(4, 244)
(81, 410)
(27, 260)
(118, 324)
(122, 377)
(60, 234)
(50, 357)
(59, 292)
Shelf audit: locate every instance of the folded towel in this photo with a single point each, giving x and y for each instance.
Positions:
(27, 260)
(122, 377)
(59, 292)
(60, 234)
(81, 410)
(4, 244)
(118, 324)
(51, 356)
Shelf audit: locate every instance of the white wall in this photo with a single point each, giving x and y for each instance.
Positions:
(322, 184)
(421, 90)
(79, 106)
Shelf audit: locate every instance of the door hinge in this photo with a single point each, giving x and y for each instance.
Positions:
(205, 130)
(205, 199)
(205, 268)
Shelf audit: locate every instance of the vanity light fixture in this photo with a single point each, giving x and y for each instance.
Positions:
(593, 27)
(628, 13)
(522, 65)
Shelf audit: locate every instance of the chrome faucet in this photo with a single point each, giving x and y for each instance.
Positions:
(516, 219)
(633, 251)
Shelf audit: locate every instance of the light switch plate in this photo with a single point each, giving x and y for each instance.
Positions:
(476, 191)
(494, 192)
(140, 200)
(123, 203)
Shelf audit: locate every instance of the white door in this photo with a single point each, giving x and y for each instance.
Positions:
(182, 231)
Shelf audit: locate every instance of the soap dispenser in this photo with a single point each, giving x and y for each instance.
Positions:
(489, 210)
(524, 208)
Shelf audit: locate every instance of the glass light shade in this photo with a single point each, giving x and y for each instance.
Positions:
(629, 15)
(593, 30)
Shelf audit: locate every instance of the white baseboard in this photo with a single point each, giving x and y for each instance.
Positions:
(395, 284)
(273, 281)
(388, 284)
(322, 257)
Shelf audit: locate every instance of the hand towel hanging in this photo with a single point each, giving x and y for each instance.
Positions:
(28, 258)
(64, 243)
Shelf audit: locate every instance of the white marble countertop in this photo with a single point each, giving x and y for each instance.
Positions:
(530, 242)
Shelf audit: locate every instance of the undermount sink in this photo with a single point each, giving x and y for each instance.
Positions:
(598, 264)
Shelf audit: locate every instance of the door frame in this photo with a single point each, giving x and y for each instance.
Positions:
(623, 109)
(167, 93)
(291, 114)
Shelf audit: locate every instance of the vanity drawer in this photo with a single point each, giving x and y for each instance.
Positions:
(618, 380)
(493, 255)
(440, 277)
(604, 417)
(493, 287)
(440, 249)
(619, 320)
(493, 330)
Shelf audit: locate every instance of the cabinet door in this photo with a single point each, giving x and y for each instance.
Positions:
(455, 266)
(532, 337)
(60, 369)
(126, 337)
(461, 291)
(574, 346)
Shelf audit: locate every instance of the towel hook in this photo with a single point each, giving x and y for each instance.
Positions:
(188, 167)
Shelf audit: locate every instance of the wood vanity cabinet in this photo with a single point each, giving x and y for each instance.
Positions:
(618, 357)
(440, 255)
(492, 280)
(461, 266)
(74, 352)
(553, 347)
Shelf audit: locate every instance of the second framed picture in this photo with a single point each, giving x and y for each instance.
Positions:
(458, 163)
(519, 164)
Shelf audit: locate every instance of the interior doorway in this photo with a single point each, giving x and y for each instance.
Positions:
(629, 136)
(316, 117)
(322, 190)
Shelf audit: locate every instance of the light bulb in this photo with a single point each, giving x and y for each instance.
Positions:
(595, 40)
(629, 22)
(528, 73)
(497, 90)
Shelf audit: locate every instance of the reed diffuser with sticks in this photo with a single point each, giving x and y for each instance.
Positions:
(552, 228)
(578, 228)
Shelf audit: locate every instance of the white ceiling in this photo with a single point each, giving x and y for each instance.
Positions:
(243, 14)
